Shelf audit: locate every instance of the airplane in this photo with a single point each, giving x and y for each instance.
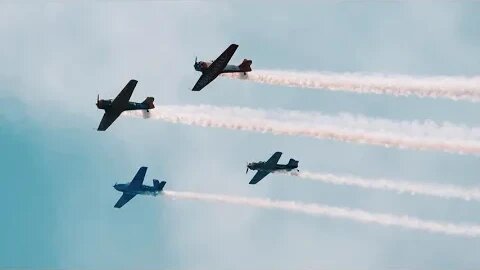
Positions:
(136, 187)
(211, 69)
(271, 165)
(113, 108)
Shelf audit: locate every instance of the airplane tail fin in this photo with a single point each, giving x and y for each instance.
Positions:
(292, 162)
(245, 65)
(158, 185)
(149, 101)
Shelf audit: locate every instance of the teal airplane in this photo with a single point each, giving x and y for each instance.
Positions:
(264, 168)
(113, 108)
(136, 187)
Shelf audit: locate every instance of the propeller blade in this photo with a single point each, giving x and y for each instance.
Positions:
(98, 98)
(195, 59)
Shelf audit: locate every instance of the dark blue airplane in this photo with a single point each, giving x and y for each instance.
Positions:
(263, 168)
(136, 187)
(113, 108)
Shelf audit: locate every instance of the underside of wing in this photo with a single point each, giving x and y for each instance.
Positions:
(215, 68)
(273, 160)
(258, 176)
(124, 97)
(108, 118)
(139, 177)
(123, 200)
(204, 80)
(221, 62)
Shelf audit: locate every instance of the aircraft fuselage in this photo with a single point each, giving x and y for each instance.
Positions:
(142, 190)
(244, 67)
(260, 166)
(106, 104)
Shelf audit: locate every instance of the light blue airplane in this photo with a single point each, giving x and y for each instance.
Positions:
(136, 187)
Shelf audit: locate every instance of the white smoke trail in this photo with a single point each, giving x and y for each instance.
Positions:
(337, 212)
(455, 87)
(344, 127)
(428, 189)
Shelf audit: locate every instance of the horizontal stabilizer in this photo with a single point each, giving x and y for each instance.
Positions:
(149, 101)
(158, 185)
(245, 65)
(293, 162)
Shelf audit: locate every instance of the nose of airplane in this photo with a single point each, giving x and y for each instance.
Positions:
(249, 166)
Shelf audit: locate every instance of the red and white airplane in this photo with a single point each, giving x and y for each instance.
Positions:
(210, 70)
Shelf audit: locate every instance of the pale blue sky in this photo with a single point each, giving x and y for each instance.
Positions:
(58, 171)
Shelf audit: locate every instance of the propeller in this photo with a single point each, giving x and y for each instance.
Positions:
(247, 169)
(195, 59)
(98, 98)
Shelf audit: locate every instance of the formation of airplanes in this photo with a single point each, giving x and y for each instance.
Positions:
(210, 71)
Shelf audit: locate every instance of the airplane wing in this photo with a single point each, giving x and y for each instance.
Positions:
(273, 160)
(221, 62)
(138, 179)
(203, 81)
(122, 99)
(215, 68)
(270, 163)
(124, 199)
(108, 118)
(258, 176)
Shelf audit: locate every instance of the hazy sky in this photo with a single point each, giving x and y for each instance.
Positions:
(57, 171)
